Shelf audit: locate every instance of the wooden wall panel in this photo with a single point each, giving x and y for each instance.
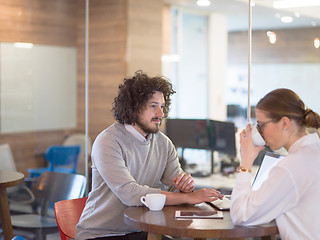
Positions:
(292, 46)
(107, 60)
(166, 29)
(144, 36)
(38, 21)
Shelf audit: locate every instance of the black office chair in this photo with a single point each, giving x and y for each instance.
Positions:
(48, 189)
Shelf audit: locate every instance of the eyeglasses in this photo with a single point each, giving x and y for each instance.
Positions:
(260, 125)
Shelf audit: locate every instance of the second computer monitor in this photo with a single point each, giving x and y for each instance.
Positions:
(222, 137)
(188, 133)
(202, 134)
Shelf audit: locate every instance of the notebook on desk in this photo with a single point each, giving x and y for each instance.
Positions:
(268, 161)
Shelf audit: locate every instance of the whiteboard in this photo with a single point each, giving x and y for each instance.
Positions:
(38, 87)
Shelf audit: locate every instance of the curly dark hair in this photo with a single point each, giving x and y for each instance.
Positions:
(135, 92)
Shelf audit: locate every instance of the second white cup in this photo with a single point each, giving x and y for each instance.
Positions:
(154, 201)
(256, 137)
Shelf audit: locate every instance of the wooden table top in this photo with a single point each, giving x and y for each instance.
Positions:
(164, 222)
(10, 178)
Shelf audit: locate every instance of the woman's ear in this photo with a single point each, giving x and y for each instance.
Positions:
(286, 123)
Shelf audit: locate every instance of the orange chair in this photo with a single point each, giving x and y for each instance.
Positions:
(67, 213)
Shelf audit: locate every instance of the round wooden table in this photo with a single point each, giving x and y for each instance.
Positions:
(158, 223)
(7, 179)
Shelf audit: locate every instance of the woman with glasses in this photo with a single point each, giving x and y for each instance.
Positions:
(291, 194)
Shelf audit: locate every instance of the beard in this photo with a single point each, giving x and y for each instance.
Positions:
(149, 127)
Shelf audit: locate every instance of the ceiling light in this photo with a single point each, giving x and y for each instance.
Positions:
(272, 37)
(316, 43)
(170, 58)
(297, 15)
(23, 45)
(204, 3)
(286, 19)
(295, 3)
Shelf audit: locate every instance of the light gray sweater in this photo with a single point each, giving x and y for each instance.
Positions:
(123, 170)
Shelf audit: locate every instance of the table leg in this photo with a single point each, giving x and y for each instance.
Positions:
(5, 215)
(153, 236)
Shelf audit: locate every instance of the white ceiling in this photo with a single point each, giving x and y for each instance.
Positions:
(264, 16)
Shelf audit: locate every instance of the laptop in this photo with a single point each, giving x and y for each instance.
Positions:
(268, 161)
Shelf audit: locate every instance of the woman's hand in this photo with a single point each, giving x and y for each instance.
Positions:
(184, 182)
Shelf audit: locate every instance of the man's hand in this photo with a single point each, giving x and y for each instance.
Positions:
(199, 196)
(204, 195)
(184, 182)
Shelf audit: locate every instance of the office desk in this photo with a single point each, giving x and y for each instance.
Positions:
(216, 181)
(219, 181)
(7, 179)
(158, 223)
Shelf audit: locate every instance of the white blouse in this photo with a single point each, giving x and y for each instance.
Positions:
(290, 195)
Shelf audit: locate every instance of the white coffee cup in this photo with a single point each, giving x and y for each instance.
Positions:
(257, 139)
(154, 201)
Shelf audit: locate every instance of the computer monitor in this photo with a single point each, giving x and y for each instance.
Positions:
(188, 133)
(222, 137)
(203, 134)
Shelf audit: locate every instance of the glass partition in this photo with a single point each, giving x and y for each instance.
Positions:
(39, 88)
(285, 54)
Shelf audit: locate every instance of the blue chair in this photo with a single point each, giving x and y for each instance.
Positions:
(18, 238)
(61, 159)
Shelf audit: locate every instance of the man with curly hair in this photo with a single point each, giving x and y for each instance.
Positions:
(131, 157)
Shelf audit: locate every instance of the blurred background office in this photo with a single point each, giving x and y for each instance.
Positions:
(203, 50)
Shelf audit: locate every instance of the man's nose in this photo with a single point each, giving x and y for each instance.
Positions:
(160, 112)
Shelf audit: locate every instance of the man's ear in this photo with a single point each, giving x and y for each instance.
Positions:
(135, 115)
